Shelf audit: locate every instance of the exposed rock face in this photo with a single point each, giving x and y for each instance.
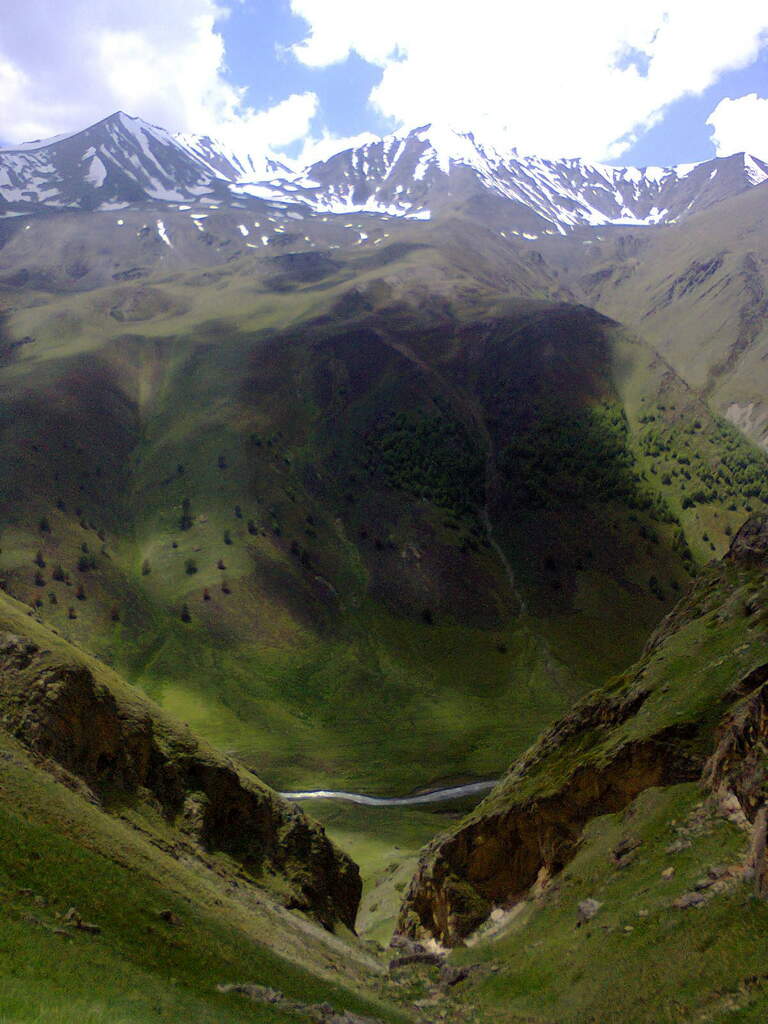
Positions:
(738, 764)
(499, 856)
(750, 545)
(120, 747)
(618, 742)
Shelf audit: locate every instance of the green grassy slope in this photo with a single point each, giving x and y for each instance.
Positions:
(697, 292)
(645, 799)
(139, 968)
(176, 916)
(641, 958)
(371, 516)
(265, 503)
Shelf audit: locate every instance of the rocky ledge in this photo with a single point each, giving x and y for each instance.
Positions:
(117, 747)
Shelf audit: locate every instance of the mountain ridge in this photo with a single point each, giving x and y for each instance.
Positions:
(408, 174)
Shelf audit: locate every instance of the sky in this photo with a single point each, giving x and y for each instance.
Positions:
(648, 82)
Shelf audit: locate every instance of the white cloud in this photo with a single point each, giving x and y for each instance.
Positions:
(315, 149)
(272, 128)
(65, 65)
(740, 125)
(548, 78)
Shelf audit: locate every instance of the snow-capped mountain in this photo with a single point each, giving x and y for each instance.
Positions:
(409, 174)
(121, 160)
(224, 162)
(414, 174)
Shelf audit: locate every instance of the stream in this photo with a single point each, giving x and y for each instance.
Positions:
(435, 796)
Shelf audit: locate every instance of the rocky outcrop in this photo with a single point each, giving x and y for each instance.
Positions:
(650, 727)
(750, 545)
(495, 859)
(738, 764)
(120, 747)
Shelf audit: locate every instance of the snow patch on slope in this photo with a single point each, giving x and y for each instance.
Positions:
(755, 174)
(96, 172)
(164, 234)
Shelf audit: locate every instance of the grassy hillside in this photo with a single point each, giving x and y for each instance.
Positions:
(625, 850)
(119, 901)
(334, 509)
(668, 963)
(697, 292)
(371, 504)
(385, 843)
(167, 936)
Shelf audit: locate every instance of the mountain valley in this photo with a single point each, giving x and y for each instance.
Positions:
(376, 476)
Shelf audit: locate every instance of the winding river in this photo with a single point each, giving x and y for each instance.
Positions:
(435, 796)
